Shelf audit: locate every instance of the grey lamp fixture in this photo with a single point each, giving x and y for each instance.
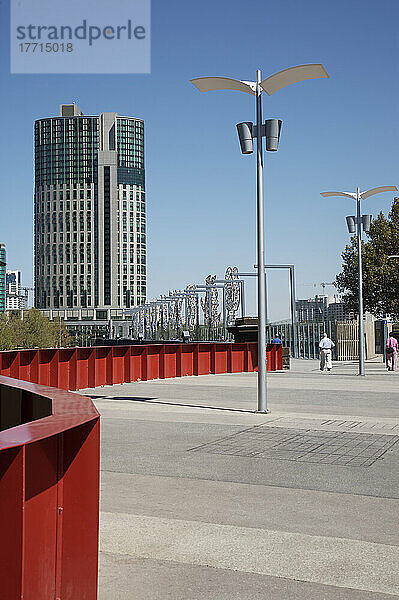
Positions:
(247, 132)
(357, 222)
(270, 130)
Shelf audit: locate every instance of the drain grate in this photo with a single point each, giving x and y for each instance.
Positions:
(311, 446)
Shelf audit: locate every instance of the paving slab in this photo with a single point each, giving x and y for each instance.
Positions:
(202, 497)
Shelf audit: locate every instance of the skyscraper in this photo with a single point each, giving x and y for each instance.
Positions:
(2, 278)
(90, 223)
(15, 300)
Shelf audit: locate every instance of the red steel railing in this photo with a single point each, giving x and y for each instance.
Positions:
(49, 453)
(49, 493)
(79, 368)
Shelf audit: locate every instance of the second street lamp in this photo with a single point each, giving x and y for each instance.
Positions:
(247, 132)
(357, 222)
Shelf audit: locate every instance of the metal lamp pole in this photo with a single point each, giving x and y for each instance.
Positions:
(360, 280)
(262, 360)
(355, 226)
(247, 133)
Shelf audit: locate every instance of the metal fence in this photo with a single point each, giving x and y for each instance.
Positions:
(303, 339)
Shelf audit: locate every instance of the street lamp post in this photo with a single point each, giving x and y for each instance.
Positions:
(247, 132)
(355, 225)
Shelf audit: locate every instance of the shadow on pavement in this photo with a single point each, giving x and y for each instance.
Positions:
(155, 401)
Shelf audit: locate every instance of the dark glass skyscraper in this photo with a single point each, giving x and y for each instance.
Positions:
(90, 211)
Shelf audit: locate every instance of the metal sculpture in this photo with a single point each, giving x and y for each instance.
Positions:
(232, 293)
(210, 304)
(191, 307)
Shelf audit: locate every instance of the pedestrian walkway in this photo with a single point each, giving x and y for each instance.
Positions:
(202, 498)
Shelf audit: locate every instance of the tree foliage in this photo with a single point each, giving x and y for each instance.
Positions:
(34, 330)
(380, 274)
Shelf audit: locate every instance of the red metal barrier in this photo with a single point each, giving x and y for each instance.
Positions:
(79, 368)
(49, 485)
(49, 454)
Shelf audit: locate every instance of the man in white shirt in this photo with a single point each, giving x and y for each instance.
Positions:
(326, 345)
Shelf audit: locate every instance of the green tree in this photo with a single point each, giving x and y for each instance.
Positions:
(33, 330)
(380, 274)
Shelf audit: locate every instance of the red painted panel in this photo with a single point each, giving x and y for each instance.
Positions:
(92, 368)
(252, 353)
(220, 358)
(40, 519)
(9, 363)
(11, 511)
(82, 368)
(101, 366)
(170, 360)
(187, 359)
(126, 362)
(109, 367)
(28, 365)
(66, 365)
(271, 357)
(204, 359)
(279, 357)
(48, 371)
(136, 359)
(153, 356)
(118, 367)
(80, 493)
(238, 352)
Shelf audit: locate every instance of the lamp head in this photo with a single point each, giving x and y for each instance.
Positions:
(245, 136)
(351, 221)
(366, 221)
(272, 134)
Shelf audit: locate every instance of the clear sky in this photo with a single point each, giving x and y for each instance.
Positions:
(337, 133)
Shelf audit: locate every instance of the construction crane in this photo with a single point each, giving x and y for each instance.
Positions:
(323, 285)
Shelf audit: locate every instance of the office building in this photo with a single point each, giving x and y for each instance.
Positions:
(322, 308)
(3, 261)
(15, 299)
(90, 211)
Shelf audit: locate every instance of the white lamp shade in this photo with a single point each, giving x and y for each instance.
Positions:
(279, 80)
(208, 84)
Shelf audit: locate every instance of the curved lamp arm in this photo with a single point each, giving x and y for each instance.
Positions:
(346, 194)
(208, 84)
(377, 190)
(279, 80)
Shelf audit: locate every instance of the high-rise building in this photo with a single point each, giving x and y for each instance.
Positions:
(3, 261)
(15, 300)
(90, 211)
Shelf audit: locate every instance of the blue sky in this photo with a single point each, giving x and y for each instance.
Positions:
(337, 134)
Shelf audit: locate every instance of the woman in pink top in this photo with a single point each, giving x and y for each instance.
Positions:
(391, 353)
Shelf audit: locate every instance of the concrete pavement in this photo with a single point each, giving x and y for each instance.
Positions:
(203, 498)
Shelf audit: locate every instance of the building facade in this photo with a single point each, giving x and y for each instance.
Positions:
(321, 309)
(3, 261)
(90, 211)
(15, 299)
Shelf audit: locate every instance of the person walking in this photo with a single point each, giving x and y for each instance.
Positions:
(326, 345)
(277, 339)
(391, 353)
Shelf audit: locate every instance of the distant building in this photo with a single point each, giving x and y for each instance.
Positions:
(15, 300)
(312, 310)
(3, 261)
(322, 308)
(338, 311)
(90, 211)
